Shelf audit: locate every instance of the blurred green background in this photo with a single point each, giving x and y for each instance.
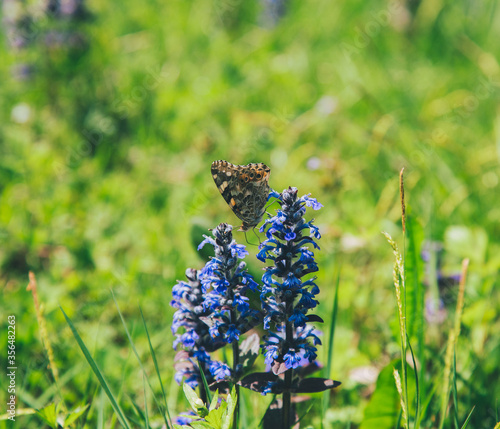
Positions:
(112, 112)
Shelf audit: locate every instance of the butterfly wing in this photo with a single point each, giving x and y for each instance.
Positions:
(245, 188)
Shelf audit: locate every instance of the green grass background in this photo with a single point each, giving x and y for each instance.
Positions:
(106, 183)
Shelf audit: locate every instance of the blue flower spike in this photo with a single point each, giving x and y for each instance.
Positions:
(225, 283)
(192, 337)
(286, 296)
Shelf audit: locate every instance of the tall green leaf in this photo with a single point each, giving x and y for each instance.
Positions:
(100, 377)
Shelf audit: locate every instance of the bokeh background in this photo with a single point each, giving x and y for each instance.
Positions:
(111, 113)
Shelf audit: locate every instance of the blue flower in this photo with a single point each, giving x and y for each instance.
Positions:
(314, 231)
(306, 256)
(201, 355)
(291, 281)
(241, 303)
(271, 354)
(220, 370)
(226, 279)
(188, 299)
(292, 358)
(214, 329)
(188, 339)
(192, 334)
(287, 295)
(238, 250)
(311, 202)
(208, 240)
(249, 282)
(307, 300)
(265, 252)
(232, 334)
(187, 418)
(225, 282)
(298, 318)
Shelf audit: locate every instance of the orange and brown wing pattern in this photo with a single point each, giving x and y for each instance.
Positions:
(245, 188)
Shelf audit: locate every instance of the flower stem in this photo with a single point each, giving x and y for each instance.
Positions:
(236, 361)
(287, 397)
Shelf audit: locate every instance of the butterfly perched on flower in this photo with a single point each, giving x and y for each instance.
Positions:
(245, 188)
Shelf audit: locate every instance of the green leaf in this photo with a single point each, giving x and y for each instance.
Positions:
(383, 409)
(49, 415)
(100, 377)
(215, 399)
(215, 416)
(414, 289)
(227, 418)
(157, 369)
(417, 389)
(195, 402)
(464, 426)
(454, 390)
(73, 415)
(415, 305)
(139, 361)
(146, 422)
(331, 338)
(201, 425)
(191, 396)
(205, 383)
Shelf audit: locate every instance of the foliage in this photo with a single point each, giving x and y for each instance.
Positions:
(106, 148)
(218, 416)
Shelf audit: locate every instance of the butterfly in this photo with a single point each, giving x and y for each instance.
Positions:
(245, 188)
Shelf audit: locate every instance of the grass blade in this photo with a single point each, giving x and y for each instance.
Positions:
(157, 369)
(305, 413)
(469, 416)
(417, 387)
(454, 390)
(138, 358)
(100, 410)
(400, 416)
(416, 292)
(146, 415)
(425, 404)
(93, 365)
(205, 384)
(331, 338)
(452, 340)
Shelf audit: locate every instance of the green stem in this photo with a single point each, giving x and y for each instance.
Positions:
(287, 397)
(236, 361)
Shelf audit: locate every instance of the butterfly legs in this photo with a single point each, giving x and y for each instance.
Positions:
(258, 238)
